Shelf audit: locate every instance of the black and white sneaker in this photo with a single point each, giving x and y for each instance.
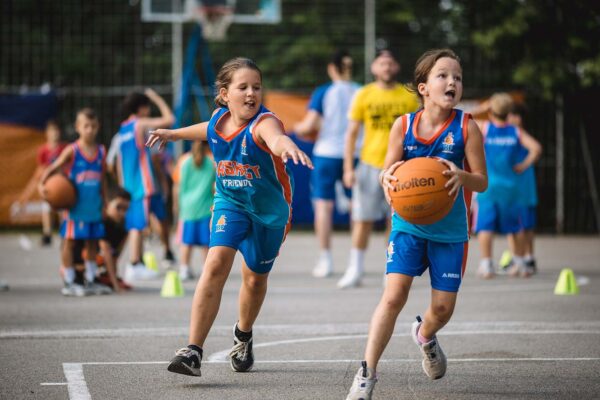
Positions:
(186, 362)
(241, 355)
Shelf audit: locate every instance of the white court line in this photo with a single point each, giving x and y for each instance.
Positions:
(54, 383)
(222, 355)
(77, 386)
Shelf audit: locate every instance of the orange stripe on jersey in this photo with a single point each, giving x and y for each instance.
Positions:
(465, 126)
(437, 134)
(404, 120)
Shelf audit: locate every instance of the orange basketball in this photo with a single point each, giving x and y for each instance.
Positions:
(60, 192)
(420, 196)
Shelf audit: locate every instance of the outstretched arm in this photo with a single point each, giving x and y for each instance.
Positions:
(166, 118)
(271, 133)
(162, 136)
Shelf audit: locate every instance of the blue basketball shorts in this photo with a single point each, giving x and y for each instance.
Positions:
(323, 177)
(411, 255)
(194, 232)
(529, 217)
(258, 244)
(138, 215)
(492, 216)
(80, 230)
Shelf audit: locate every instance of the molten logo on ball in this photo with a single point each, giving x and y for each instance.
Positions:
(415, 182)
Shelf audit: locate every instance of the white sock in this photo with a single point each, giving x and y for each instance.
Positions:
(69, 275)
(184, 267)
(90, 270)
(528, 258)
(486, 262)
(325, 256)
(357, 257)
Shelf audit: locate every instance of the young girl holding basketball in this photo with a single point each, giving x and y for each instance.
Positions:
(437, 130)
(251, 211)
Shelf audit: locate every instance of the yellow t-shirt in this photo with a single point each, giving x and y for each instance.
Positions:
(377, 109)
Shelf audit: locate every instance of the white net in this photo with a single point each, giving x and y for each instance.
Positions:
(215, 17)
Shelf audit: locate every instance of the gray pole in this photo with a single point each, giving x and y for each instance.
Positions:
(560, 167)
(369, 36)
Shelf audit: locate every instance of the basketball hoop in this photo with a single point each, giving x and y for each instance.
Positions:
(215, 16)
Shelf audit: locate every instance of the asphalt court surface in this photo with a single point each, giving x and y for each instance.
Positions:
(508, 339)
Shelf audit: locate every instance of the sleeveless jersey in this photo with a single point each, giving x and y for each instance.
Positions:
(249, 177)
(448, 143)
(86, 175)
(502, 151)
(135, 164)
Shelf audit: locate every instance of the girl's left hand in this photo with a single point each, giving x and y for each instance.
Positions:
(456, 175)
(296, 155)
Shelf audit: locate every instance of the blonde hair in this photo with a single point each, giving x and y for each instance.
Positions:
(501, 104)
(425, 64)
(226, 74)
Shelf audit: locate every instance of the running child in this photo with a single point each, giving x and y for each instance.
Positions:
(251, 211)
(137, 175)
(83, 162)
(46, 155)
(438, 130)
(193, 195)
(500, 208)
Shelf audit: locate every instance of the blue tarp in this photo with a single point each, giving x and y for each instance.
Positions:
(32, 110)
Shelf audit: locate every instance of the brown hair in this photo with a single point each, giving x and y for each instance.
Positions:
(89, 113)
(226, 73)
(425, 64)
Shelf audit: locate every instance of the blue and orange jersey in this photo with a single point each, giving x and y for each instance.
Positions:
(249, 177)
(503, 150)
(86, 174)
(137, 174)
(448, 143)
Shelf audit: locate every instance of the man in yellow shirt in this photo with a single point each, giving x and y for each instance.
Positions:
(376, 106)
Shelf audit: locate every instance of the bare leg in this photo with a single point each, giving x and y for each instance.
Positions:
(323, 222)
(185, 252)
(47, 222)
(528, 250)
(252, 295)
(485, 243)
(207, 297)
(66, 254)
(439, 312)
(361, 230)
(135, 245)
(385, 315)
(165, 230)
(516, 244)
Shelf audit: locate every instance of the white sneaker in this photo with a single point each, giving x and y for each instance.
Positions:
(434, 360)
(485, 270)
(363, 384)
(185, 274)
(75, 289)
(323, 269)
(138, 272)
(352, 278)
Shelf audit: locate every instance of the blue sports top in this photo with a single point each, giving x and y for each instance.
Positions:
(527, 182)
(135, 163)
(502, 151)
(86, 175)
(449, 143)
(249, 177)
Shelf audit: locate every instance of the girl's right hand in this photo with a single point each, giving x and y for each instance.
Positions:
(388, 180)
(160, 136)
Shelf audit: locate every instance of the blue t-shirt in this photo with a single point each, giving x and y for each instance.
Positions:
(502, 152)
(332, 102)
(249, 177)
(135, 162)
(86, 175)
(448, 143)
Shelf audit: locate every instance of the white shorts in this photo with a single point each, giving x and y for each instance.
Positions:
(368, 199)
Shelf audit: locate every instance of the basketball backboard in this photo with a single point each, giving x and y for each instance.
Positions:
(244, 11)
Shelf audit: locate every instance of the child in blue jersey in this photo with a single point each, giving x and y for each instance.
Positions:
(251, 211)
(437, 130)
(137, 174)
(193, 195)
(500, 208)
(84, 164)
